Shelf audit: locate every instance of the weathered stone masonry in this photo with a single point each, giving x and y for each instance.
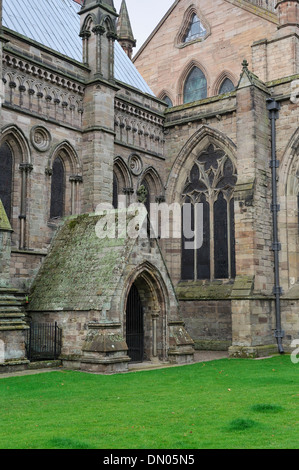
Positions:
(113, 139)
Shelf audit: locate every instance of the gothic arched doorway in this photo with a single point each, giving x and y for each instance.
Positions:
(145, 316)
(135, 325)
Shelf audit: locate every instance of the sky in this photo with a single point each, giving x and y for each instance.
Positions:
(144, 16)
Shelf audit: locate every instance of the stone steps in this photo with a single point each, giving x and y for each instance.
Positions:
(12, 309)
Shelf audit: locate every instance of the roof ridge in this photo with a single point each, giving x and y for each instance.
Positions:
(30, 19)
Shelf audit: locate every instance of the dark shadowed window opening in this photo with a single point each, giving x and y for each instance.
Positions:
(187, 254)
(6, 170)
(220, 238)
(203, 253)
(195, 86)
(115, 192)
(57, 189)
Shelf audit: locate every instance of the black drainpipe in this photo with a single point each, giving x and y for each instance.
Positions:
(273, 108)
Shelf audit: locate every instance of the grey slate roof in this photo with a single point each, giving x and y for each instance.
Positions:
(56, 24)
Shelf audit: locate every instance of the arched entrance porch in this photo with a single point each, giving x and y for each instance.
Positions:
(145, 316)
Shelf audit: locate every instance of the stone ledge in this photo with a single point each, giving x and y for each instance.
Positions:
(252, 352)
(44, 364)
(201, 290)
(13, 365)
(105, 360)
(211, 345)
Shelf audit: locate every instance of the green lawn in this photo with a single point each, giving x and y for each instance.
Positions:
(242, 404)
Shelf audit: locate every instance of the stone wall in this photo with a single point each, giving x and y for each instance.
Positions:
(209, 322)
(233, 27)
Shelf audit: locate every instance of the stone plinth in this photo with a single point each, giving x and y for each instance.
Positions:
(105, 349)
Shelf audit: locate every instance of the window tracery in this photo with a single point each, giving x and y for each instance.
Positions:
(211, 182)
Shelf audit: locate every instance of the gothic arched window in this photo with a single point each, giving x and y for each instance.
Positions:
(196, 29)
(226, 86)
(57, 189)
(6, 170)
(195, 87)
(209, 194)
(168, 101)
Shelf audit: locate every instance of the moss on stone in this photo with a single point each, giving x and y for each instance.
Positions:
(4, 222)
(198, 290)
(78, 265)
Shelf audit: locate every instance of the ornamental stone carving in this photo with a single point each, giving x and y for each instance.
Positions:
(40, 138)
(135, 164)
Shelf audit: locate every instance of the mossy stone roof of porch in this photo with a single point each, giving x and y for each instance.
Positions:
(81, 271)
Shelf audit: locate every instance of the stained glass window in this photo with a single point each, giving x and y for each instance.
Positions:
(188, 256)
(195, 86)
(211, 183)
(196, 29)
(57, 189)
(203, 253)
(226, 86)
(6, 165)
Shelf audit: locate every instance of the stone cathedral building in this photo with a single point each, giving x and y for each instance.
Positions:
(204, 115)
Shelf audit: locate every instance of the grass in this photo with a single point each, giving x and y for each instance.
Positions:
(224, 404)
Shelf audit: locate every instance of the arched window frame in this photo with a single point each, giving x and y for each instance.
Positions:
(7, 173)
(57, 201)
(225, 74)
(21, 169)
(211, 179)
(288, 216)
(72, 178)
(187, 19)
(167, 100)
(166, 95)
(154, 183)
(151, 181)
(231, 86)
(191, 34)
(292, 213)
(202, 90)
(122, 182)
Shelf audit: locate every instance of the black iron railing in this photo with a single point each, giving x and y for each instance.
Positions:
(43, 341)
